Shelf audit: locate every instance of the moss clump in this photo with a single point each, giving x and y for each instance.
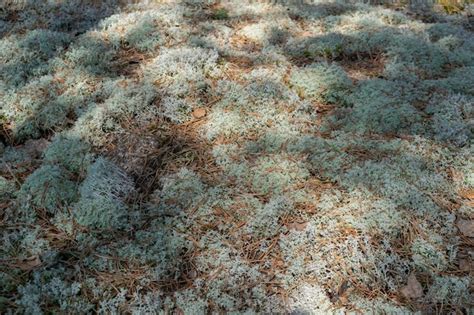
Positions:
(452, 119)
(71, 153)
(33, 108)
(102, 196)
(322, 82)
(329, 46)
(450, 290)
(7, 188)
(180, 191)
(47, 188)
(382, 106)
(427, 255)
(265, 223)
(46, 288)
(220, 14)
(309, 175)
(91, 53)
(175, 109)
(180, 71)
(25, 56)
(144, 36)
(426, 59)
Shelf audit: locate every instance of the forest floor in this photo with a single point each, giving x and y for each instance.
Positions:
(232, 157)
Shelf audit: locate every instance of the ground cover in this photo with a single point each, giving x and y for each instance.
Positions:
(222, 157)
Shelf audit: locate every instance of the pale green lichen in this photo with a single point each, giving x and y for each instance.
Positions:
(47, 188)
(69, 152)
(7, 188)
(102, 196)
(322, 82)
(332, 161)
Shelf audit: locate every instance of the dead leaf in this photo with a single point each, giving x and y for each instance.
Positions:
(413, 289)
(199, 113)
(29, 263)
(468, 194)
(297, 226)
(466, 227)
(465, 265)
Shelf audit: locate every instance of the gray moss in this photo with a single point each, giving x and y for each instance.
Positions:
(175, 109)
(382, 106)
(102, 196)
(7, 188)
(27, 56)
(47, 188)
(144, 36)
(450, 289)
(91, 53)
(72, 154)
(315, 177)
(322, 82)
(427, 59)
(453, 118)
(265, 223)
(45, 288)
(180, 70)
